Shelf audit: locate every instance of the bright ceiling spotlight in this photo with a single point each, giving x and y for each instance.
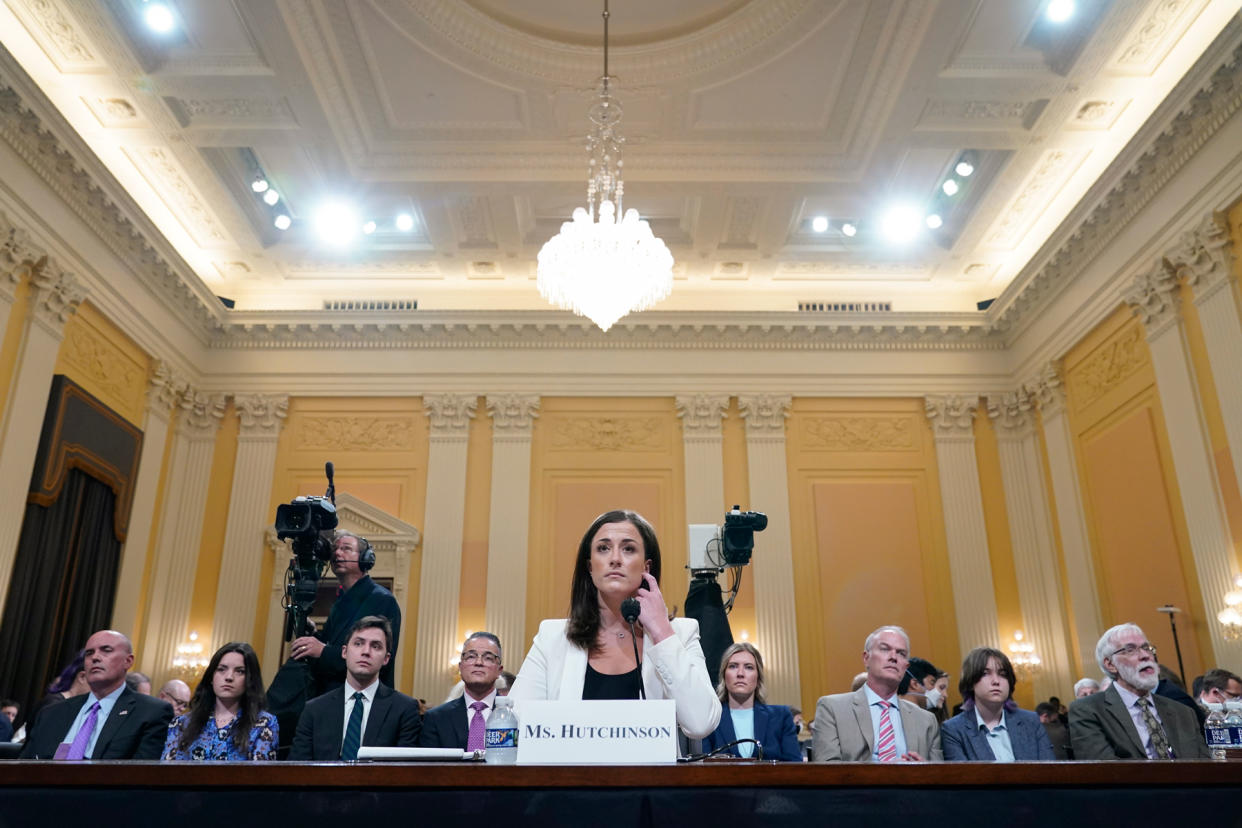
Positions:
(964, 169)
(405, 222)
(259, 184)
(282, 222)
(901, 223)
(849, 229)
(819, 224)
(159, 18)
(271, 197)
(950, 186)
(934, 221)
(1059, 11)
(368, 228)
(336, 222)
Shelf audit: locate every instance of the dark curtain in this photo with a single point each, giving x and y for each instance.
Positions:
(63, 585)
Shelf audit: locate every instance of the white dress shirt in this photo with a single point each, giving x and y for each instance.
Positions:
(368, 694)
(894, 716)
(105, 708)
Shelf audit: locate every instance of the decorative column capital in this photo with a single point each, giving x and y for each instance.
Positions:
(201, 413)
(450, 414)
(701, 413)
(1047, 389)
(1155, 298)
(1012, 414)
(19, 257)
(55, 296)
(262, 415)
(513, 415)
(165, 389)
(951, 415)
(765, 413)
(1203, 256)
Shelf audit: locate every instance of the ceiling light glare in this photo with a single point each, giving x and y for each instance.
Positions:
(819, 224)
(1059, 11)
(901, 223)
(271, 197)
(282, 222)
(259, 184)
(934, 221)
(159, 18)
(405, 222)
(964, 169)
(849, 229)
(368, 228)
(336, 223)
(950, 187)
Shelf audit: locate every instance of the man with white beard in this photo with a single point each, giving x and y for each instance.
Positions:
(1128, 721)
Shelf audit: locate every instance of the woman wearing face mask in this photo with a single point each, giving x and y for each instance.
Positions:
(746, 716)
(990, 727)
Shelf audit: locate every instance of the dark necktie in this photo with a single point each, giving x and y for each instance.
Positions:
(1159, 741)
(353, 730)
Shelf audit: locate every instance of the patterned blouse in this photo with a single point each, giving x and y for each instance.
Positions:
(216, 744)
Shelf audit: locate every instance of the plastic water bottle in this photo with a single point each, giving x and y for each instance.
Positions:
(502, 733)
(1215, 722)
(1233, 721)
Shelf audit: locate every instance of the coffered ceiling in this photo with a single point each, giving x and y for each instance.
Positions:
(744, 119)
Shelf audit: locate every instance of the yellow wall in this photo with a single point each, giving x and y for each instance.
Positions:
(98, 356)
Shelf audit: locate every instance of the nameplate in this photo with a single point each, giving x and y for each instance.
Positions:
(597, 732)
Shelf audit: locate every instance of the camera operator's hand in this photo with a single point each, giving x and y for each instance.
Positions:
(307, 647)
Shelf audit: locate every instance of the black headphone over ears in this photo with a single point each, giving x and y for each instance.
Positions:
(366, 555)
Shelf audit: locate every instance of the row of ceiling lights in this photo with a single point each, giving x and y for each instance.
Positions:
(335, 221)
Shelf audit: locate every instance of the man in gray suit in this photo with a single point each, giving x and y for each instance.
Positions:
(1128, 720)
(872, 724)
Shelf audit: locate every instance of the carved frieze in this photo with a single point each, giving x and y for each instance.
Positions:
(701, 413)
(112, 375)
(1108, 367)
(356, 433)
(608, 434)
(951, 415)
(512, 414)
(858, 433)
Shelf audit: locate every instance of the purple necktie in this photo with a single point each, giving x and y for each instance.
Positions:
(77, 750)
(477, 739)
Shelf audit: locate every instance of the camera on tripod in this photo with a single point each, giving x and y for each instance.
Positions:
(307, 521)
(713, 548)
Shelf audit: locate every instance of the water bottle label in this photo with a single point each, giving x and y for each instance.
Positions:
(501, 738)
(1226, 736)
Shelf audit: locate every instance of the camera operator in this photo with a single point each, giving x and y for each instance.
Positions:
(352, 558)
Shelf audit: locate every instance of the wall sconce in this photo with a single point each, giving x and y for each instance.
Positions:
(455, 659)
(1230, 617)
(189, 662)
(1023, 656)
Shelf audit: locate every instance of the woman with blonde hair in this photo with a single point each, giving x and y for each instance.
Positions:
(747, 715)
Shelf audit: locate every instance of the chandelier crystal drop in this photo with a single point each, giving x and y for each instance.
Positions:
(605, 263)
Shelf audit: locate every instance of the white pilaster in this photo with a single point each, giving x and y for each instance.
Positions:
(163, 392)
(1031, 539)
(772, 566)
(1155, 298)
(440, 580)
(54, 295)
(19, 259)
(1084, 600)
(180, 529)
(702, 441)
(262, 416)
(970, 568)
(513, 417)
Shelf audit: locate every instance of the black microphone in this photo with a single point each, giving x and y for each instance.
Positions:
(629, 611)
(331, 493)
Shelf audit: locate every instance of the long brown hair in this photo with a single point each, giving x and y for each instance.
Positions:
(203, 703)
(583, 627)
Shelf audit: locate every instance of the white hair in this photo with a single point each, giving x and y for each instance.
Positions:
(1085, 682)
(887, 628)
(1108, 644)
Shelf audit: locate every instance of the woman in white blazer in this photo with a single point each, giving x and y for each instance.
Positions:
(590, 655)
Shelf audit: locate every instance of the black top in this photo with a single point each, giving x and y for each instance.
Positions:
(600, 686)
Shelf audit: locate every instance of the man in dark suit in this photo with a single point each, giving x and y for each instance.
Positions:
(454, 723)
(109, 722)
(1128, 720)
(334, 725)
(352, 559)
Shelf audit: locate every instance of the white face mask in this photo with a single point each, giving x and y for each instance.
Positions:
(934, 699)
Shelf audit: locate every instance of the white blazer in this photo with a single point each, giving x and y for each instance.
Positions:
(673, 669)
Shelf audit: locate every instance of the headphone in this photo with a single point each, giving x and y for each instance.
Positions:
(366, 554)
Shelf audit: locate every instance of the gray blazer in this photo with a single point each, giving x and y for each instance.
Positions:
(1101, 728)
(843, 730)
(964, 742)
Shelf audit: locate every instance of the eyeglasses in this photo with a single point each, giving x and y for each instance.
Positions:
(1131, 649)
(470, 657)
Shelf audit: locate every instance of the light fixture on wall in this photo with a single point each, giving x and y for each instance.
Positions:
(605, 263)
(189, 662)
(1022, 655)
(1230, 617)
(455, 660)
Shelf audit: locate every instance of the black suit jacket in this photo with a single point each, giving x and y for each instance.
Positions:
(135, 729)
(394, 722)
(1101, 728)
(444, 726)
(364, 598)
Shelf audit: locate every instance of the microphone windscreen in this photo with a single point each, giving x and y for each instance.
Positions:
(630, 609)
(327, 469)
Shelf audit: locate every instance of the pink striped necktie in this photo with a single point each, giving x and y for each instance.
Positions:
(886, 748)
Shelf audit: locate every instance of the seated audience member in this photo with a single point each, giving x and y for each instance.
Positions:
(591, 654)
(71, 682)
(138, 682)
(862, 726)
(920, 679)
(108, 722)
(746, 715)
(177, 693)
(8, 714)
(1171, 687)
(1058, 733)
(990, 727)
(226, 720)
(1128, 721)
(505, 682)
(859, 681)
(1086, 687)
(1219, 686)
(460, 722)
(362, 711)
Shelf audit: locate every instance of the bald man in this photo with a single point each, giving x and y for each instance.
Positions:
(109, 722)
(177, 693)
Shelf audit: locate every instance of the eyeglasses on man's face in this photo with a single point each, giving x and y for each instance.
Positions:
(1131, 649)
(470, 657)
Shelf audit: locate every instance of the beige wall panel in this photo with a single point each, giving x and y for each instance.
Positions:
(99, 357)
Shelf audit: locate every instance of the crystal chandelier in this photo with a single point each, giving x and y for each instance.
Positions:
(605, 263)
(1022, 656)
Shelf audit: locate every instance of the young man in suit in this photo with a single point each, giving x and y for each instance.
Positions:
(460, 723)
(109, 722)
(1129, 720)
(363, 711)
(872, 724)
